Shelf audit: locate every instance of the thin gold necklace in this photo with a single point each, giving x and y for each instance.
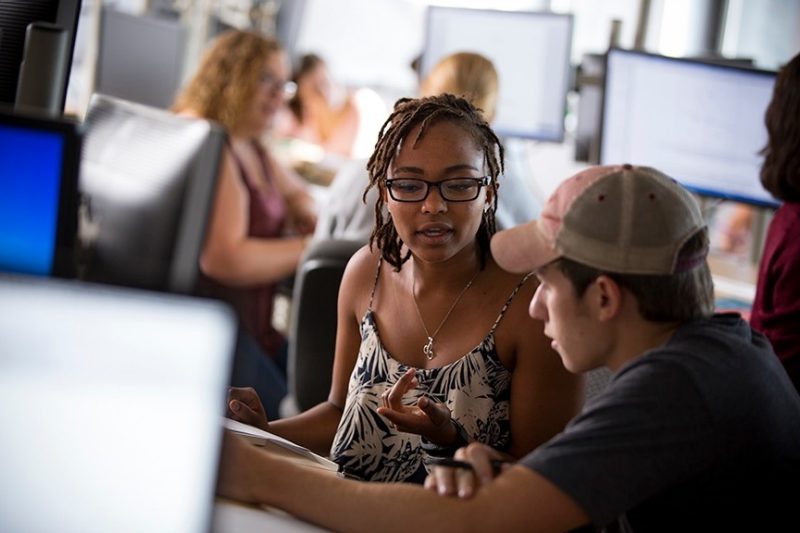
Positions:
(428, 348)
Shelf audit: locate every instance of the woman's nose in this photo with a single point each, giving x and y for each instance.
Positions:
(434, 202)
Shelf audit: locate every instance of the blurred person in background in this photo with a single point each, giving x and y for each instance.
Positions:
(776, 309)
(320, 111)
(262, 212)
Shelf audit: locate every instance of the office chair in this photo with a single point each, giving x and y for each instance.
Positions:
(312, 327)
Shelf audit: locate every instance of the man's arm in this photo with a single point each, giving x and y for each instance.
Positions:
(518, 499)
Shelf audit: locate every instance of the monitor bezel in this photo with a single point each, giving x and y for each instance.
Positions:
(63, 264)
(711, 63)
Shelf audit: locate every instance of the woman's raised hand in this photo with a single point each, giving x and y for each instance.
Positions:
(426, 417)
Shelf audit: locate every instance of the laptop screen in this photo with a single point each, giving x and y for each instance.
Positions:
(110, 404)
(39, 161)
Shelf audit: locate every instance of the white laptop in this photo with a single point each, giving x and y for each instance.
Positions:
(110, 406)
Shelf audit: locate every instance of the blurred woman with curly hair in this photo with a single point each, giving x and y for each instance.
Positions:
(240, 83)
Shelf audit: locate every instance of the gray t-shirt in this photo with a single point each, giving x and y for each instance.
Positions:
(700, 434)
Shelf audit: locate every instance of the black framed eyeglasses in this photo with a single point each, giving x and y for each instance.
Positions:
(452, 190)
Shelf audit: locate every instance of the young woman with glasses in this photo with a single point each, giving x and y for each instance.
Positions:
(434, 345)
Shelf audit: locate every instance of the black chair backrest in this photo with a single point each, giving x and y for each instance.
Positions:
(312, 329)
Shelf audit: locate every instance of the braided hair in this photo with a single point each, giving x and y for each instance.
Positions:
(408, 113)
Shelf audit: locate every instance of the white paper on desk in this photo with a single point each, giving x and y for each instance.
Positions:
(258, 436)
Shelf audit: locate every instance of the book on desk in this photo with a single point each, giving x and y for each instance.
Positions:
(280, 446)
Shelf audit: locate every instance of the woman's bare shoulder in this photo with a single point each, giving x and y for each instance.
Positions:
(509, 282)
(361, 267)
(365, 258)
(358, 279)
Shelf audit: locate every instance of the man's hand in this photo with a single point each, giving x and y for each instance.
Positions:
(464, 482)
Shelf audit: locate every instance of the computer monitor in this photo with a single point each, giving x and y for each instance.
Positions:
(15, 16)
(39, 162)
(111, 406)
(147, 181)
(531, 52)
(140, 58)
(334, 30)
(701, 123)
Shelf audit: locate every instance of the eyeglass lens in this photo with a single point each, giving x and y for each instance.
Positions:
(453, 190)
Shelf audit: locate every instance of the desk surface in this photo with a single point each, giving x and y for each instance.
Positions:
(233, 517)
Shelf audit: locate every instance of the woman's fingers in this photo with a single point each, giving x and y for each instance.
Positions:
(437, 412)
(406, 382)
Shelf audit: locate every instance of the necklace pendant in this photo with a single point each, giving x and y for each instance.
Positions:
(428, 349)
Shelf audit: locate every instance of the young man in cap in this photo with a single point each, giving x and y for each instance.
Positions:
(699, 428)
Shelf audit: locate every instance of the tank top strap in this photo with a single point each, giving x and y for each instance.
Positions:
(508, 302)
(262, 160)
(375, 284)
(266, 167)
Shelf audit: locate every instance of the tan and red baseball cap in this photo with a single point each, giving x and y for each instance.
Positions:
(620, 219)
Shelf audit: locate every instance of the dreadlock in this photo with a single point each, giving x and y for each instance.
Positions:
(407, 114)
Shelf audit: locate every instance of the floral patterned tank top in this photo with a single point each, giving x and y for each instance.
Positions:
(476, 388)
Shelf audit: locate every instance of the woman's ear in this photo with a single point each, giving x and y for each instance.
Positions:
(491, 195)
(606, 298)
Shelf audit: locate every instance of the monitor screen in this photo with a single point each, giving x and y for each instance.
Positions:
(39, 161)
(124, 393)
(531, 52)
(148, 178)
(701, 123)
(140, 58)
(318, 26)
(15, 16)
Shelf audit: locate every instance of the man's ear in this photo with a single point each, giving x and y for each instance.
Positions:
(607, 298)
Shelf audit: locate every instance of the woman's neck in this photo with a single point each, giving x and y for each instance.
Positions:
(455, 270)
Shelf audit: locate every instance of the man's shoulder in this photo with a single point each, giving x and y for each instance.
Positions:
(726, 333)
(704, 347)
(719, 361)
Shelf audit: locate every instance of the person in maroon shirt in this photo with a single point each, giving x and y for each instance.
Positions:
(776, 309)
(240, 83)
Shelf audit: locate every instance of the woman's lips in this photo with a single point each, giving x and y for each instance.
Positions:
(435, 232)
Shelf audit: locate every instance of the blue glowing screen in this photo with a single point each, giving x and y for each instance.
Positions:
(30, 176)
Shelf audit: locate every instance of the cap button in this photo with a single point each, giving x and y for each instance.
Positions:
(627, 166)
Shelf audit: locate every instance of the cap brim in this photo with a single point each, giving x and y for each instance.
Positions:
(522, 249)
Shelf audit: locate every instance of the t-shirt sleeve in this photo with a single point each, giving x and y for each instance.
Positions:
(647, 431)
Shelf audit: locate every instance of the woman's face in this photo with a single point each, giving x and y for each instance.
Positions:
(435, 229)
(315, 83)
(269, 94)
